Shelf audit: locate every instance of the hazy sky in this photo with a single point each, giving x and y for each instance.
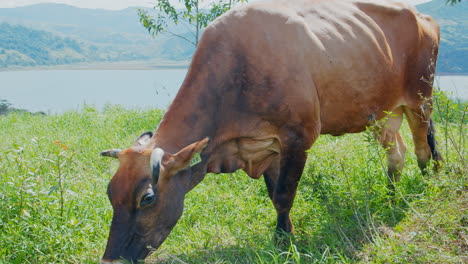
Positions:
(107, 4)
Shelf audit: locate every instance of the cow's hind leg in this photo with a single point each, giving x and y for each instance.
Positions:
(394, 145)
(422, 128)
(281, 181)
(396, 150)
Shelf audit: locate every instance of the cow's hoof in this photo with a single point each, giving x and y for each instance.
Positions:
(283, 240)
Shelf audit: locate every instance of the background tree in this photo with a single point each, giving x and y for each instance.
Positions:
(195, 15)
(452, 2)
(5, 107)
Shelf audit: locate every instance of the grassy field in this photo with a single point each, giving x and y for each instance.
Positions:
(54, 208)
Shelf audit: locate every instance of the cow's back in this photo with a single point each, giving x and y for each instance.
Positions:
(354, 59)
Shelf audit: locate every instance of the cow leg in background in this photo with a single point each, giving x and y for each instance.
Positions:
(423, 136)
(282, 184)
(393, 143)
(396, 149)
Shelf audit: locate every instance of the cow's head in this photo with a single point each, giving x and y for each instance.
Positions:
(147, 194)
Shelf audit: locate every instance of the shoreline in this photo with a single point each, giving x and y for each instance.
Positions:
(452, 74)
(126, 65)
(137, 66)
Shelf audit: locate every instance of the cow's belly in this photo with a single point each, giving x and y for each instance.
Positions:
(352, 120)
(349, 107)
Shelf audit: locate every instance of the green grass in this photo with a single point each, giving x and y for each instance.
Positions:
(54, 208)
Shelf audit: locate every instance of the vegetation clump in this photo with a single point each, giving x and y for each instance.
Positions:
(6, 108)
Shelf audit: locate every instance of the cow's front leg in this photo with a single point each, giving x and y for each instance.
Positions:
(281, 180)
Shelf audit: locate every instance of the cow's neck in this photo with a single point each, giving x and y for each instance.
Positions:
(190, 117)
(204, 108)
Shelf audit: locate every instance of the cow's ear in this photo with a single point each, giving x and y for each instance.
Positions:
(188, 156)
(143, 139)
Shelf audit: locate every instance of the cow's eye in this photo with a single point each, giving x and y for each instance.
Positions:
(147, 199)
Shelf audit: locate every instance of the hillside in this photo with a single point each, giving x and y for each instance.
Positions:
(118, 32)
(23, 46)
(61, 14)
(453, 21)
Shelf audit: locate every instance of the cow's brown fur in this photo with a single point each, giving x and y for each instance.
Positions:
(265, 81)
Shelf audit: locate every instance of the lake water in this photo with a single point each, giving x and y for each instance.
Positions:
(56, 91)
(61, 90)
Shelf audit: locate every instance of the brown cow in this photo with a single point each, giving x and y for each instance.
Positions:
(265, 81)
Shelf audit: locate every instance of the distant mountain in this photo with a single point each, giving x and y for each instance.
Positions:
(61, 14)
(118, 35)
(23, 46)
(176, 48)
(453, 21)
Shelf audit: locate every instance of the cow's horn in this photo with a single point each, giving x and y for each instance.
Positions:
(111, 153)
(156, 158)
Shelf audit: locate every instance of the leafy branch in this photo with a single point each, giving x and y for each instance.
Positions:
(193, 14)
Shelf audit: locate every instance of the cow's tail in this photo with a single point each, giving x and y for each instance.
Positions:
(433, 143)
